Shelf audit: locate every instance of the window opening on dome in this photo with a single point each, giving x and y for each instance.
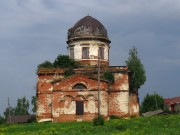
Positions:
(101, 52)
(85, 52)
(108, 54)
(82, 28)
(71, 52)
(79, 86)
(85, 44)
(101, 45)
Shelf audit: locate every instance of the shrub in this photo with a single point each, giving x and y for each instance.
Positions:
(32, 119)
(45, 64)
(63, 61)
(152, 102)
(2, 119)
(98, 121)
(69, 72)
(109, 76)
(114, 117)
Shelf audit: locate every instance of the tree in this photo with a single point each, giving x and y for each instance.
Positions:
(33, 102)
(22, 106)
(45, 64)
(63, 61)
(152, 102)
(8, 111)
(137, 71)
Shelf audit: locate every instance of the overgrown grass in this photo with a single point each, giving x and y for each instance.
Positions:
(156, 125)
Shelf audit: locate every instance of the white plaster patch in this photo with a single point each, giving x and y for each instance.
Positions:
(123, 100)
(56, 112)
(117, 76)
(71, 109)
(40, 109)
(43, 120)
(124, 85)
(58, 76)
(135, 108)
(49, 98)
(46, 80)
(91, 105)
(103, 104)
(51, 88)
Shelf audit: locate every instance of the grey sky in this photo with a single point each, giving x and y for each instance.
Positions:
(32, 31)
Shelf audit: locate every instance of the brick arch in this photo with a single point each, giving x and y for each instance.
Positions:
(80, 86)
(80, 97)
(80, 83)
(91, 95)
(68, 96)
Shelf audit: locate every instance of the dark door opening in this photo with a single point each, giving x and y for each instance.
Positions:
(79, 107)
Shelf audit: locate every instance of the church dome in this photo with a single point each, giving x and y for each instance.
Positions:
(88, 28)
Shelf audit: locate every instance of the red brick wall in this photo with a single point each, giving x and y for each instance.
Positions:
(57, 98)
(133, 104)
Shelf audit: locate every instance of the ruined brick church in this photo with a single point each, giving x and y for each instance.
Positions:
(81, 96)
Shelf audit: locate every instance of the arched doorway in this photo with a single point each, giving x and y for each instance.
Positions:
(79, 99)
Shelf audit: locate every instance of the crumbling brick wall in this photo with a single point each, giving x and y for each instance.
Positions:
(57, 98)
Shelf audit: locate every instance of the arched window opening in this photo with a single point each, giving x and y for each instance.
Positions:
(80, 86)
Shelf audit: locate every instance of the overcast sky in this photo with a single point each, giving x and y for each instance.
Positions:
(32, 31)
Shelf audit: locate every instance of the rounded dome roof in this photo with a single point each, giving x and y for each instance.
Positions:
(88, 28)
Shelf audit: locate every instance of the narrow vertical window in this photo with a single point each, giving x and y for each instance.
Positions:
(72, 52)
(108, 54)
(85, 53)
(101, 52)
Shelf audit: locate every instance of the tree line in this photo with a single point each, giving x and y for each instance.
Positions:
(21, 108)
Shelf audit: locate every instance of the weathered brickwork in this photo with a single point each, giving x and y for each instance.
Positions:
(134, 104)
(75, 98)
(58, 96)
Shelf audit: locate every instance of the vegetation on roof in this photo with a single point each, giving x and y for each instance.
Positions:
(62, 61)
(46, 64)
(108, 76)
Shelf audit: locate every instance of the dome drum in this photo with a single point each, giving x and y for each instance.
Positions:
(87, 40)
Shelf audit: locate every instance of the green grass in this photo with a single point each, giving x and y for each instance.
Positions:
(157, 125)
